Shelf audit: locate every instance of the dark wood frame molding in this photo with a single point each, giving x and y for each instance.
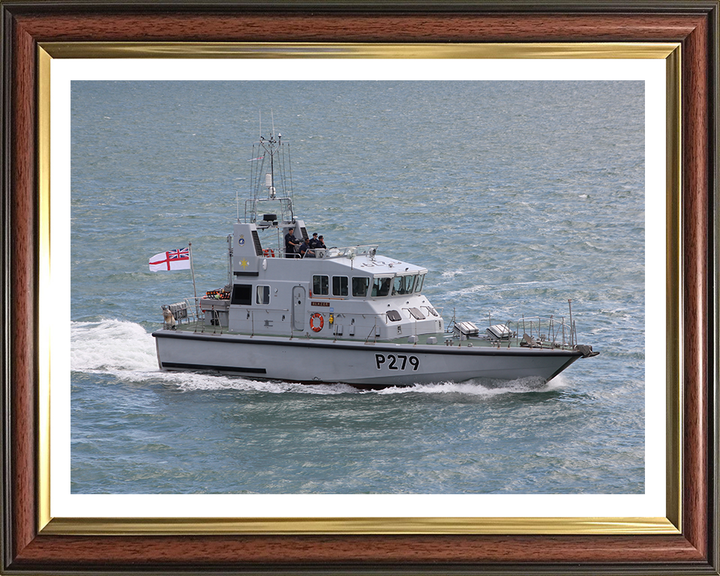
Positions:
(692, 23)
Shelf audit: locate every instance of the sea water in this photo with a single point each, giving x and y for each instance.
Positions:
(517, 196)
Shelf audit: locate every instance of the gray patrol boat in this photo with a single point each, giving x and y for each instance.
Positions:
(340, 315)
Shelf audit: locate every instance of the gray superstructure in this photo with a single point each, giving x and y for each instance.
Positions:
(338, 314)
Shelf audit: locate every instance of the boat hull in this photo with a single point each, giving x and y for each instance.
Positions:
(371, 365)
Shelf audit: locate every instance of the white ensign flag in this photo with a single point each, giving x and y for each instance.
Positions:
(171, 260)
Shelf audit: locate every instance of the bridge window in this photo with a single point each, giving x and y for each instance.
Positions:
(360, 286)
(403, 284)
(340, 285)
(381, 287)
(321, 286)
(419, 283)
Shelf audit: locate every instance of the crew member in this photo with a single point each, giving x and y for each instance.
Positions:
(291, 244)
(305, 251)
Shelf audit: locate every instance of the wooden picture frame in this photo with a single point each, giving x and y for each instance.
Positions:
(29, 548)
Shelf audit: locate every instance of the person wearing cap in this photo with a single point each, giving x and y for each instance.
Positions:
(314, 242)
(290, 244)
(321, 242)
(305, 251)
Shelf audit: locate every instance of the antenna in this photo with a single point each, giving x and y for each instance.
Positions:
(272, 119)
(260, 122)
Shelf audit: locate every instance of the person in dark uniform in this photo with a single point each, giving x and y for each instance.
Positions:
(290, 244)
(305, 251)
(314, 242)
(321, 242)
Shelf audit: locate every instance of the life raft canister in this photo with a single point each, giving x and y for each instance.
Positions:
(321, 322)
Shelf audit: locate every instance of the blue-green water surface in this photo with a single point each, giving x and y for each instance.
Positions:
(517, 196)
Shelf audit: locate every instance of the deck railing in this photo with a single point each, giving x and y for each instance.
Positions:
(345, 252)
(534, 332)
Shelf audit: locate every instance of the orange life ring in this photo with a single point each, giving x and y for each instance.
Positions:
(316, 316)
(269, 252)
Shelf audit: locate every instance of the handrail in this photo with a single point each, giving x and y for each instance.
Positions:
(541, 332)
(368, 250)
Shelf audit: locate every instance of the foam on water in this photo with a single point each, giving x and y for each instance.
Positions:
(111, 346)
(482, 388)
(127, 351)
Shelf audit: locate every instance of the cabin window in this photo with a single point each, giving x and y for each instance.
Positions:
(403, 285)
(419, 283)
(381, 287)
(393, 315)
(242, 294)
(340, 286)
(320, 286)
(360, 286)
(262, 295)
(415, 313)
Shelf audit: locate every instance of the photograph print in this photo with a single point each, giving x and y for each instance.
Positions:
(358, 287)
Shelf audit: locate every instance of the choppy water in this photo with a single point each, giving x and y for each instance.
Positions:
(516, 196)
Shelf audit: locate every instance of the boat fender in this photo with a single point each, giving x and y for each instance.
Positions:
(320, 322)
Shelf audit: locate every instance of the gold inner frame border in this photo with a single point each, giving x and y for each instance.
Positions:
(671, 524)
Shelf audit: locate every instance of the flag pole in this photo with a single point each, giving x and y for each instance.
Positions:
(192, 269)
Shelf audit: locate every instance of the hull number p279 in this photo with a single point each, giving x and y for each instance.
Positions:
(399, 362)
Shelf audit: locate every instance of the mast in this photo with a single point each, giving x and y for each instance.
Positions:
(192, 269)
(274, 200)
